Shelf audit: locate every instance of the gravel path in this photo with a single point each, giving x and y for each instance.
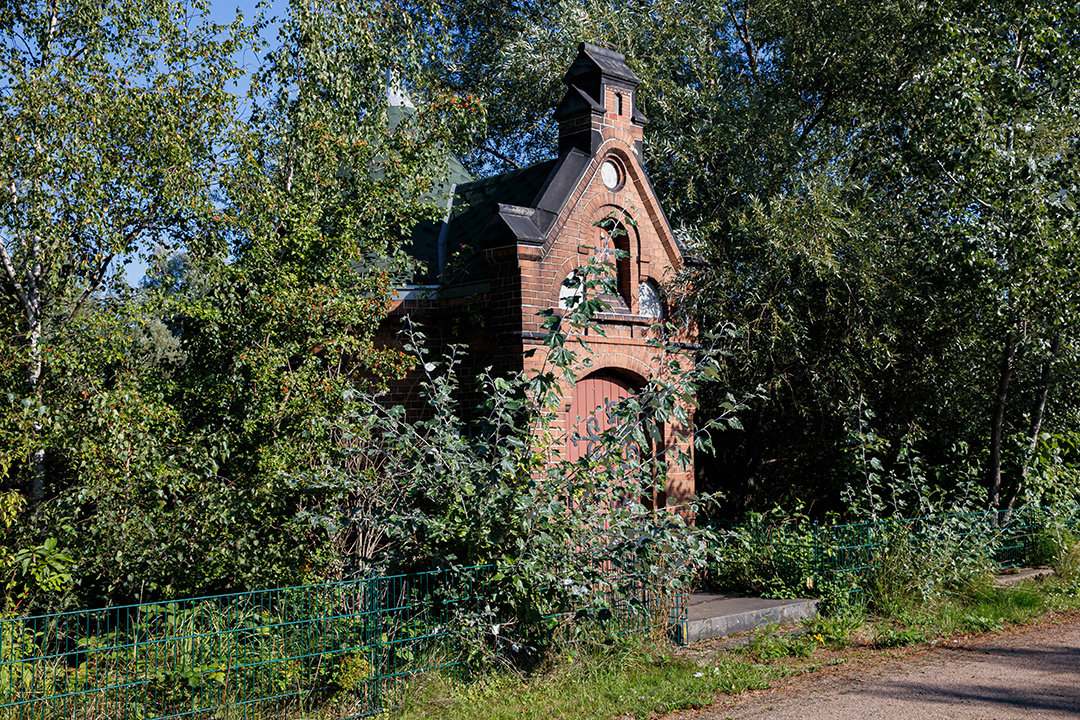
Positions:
(1031, 673)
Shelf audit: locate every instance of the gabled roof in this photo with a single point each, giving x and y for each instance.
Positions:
(424, 243)
(519, 205)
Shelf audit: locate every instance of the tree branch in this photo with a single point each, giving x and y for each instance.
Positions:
(9, 270)
(12, 274)
(499, 156)
(54, 24)
(1046, 379)
(94, 284)
(823, 110)
(998, 420)
(957, 183)
(99, 275)
(744, 36)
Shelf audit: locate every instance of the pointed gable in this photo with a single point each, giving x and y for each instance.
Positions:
(547, 212)
(509, 242)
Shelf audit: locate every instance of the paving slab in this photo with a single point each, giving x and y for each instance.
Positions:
(710, 615)
(1020, 575)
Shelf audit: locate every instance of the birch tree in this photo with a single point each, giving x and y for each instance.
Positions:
(115, 117)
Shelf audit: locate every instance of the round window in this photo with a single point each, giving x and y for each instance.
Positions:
(609, 173)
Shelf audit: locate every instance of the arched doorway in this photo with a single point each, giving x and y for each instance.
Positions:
(590, 414)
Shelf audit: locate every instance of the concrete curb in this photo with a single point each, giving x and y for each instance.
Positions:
(1021, 575)
(710, 616)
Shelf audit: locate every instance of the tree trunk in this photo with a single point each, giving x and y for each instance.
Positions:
(1007, 355)
(33, 378)
(33, 382)
(27, 285)
(1046, 379)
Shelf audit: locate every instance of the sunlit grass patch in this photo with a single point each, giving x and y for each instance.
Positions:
(635, 681)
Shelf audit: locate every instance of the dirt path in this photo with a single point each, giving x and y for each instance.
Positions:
(1028, 673)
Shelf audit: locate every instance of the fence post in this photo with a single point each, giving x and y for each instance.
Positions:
(819, 557)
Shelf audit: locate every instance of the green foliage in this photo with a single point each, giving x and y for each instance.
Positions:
(979, 606)
(834, 631)
(1051, 546)
(774, 554)
(17, 645)
(887, 635)
(885, 196)
(565, 538)
(44, 568)
(1069, 565)
(625, 681)
(117, 121)
(161, 431)
(915, 562)
(768, 644)
(887, 566)
(116, 117)
(313, 651)
(885, 199)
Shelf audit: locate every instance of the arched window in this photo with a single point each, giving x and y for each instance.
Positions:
(613, 246)
(572, 291)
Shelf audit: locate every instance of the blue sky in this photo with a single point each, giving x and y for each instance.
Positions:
(222, 11)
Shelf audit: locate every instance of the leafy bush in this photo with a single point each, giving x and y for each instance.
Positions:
(888, 636)
(44, 568)
(568, 540)
(768, 554)
(886, 565)
(1051, 546)
(834, 631)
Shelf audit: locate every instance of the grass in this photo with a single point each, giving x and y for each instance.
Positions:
(643, 680)
(981, 607)
(633, 680)
(639, 678)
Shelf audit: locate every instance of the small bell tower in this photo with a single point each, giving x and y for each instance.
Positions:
(600, 102)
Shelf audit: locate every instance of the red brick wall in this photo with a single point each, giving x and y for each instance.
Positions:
(573, 241)
(526, 280)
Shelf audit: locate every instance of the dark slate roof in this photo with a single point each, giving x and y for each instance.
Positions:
(424, 244)
(593, 68)
(476, 203)
(595, 61)
(515, 206)
(519, 206)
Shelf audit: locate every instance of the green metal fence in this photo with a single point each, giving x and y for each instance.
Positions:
(802, 556)
(338, 650)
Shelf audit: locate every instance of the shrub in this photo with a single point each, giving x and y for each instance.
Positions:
(568, 540)
(1051, 546)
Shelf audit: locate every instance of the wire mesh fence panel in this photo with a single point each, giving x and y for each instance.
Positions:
(337, 650)
(798, 556)
(334, 650)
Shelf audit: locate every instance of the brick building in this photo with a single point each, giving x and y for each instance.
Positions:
(509, 242)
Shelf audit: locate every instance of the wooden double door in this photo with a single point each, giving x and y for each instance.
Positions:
(591, 414)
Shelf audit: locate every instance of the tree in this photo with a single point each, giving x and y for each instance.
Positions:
(178, 416)
(115, 119)
(748, 106)
(989, 172)
(881, 193)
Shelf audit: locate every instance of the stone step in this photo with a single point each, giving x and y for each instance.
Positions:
(1019, 575)
(712, 615)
